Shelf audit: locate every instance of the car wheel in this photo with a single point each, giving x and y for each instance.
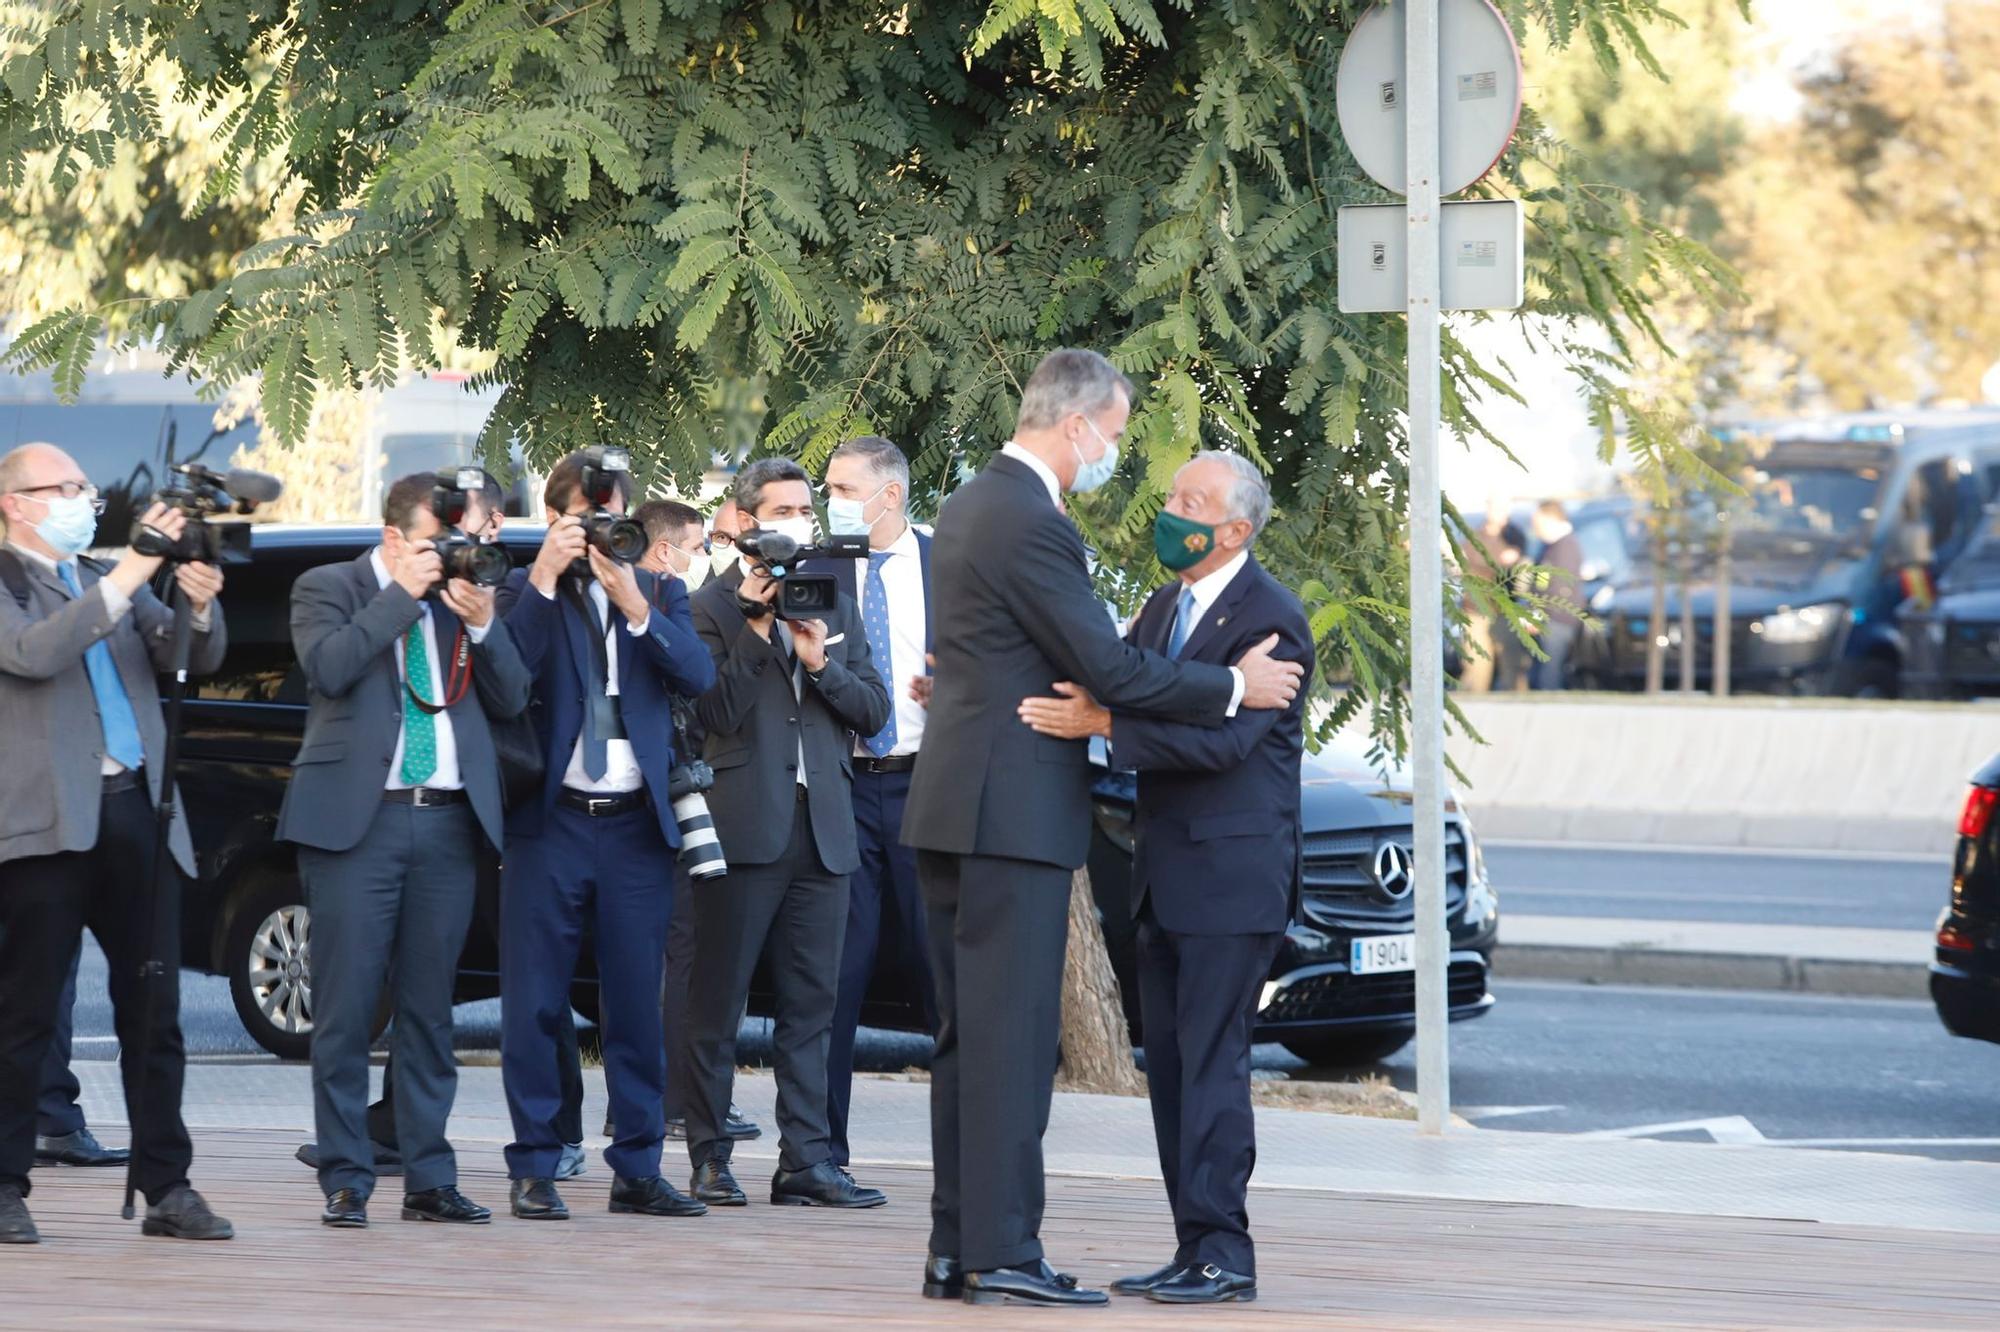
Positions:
(269, 952)
(1347, 1050)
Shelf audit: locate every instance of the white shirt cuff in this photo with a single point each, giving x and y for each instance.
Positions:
(546, 596)
(116, 603)
(1235, 694)
(477, 632)
(202, 620)
(639, 630)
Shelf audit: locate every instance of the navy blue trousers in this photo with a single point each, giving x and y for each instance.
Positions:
(885, 926)
(617, 874)
(57, 1113)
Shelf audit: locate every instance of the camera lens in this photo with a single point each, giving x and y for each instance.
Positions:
(621, 538)
(485, 566)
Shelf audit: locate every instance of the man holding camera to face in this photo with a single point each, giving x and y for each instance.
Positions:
(393, 790)
(794, 686)
(609, 647)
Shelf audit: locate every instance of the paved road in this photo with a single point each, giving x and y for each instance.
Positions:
(1650, 884)
(1870, 1074)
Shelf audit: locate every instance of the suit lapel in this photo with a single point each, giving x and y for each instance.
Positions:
(924, 564)
(577, 629)
(1218, 613)
(366, 588)
(1155, 626)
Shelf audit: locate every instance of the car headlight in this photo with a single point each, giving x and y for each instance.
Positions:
(1481, 902)
(1806, 624)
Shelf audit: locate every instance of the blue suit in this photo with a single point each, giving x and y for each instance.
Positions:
(885, 908)
(566, 867)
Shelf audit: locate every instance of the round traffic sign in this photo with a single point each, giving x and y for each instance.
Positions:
(1479, 93)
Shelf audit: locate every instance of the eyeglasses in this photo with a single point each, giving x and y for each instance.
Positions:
(68, 490)
(722, 538)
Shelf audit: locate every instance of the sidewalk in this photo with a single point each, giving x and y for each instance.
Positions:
(1818, 959)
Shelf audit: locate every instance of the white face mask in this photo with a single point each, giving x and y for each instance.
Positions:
(697, 571)
(721, 556)
(799, 529)
(1094, 472)
(69, 525)
(849, 517)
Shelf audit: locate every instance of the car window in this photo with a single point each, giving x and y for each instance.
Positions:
(260, 666)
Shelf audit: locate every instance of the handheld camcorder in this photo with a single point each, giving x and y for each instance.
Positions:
(620, 539)
(687, 794)
(474, 561)
(198, 491)
(801, 596)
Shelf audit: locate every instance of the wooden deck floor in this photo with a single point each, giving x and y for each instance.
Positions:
(1328, 1260)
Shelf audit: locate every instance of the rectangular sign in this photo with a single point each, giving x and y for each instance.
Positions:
(1482, 255)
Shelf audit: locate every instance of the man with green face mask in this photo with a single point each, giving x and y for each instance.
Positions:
(1215, 868)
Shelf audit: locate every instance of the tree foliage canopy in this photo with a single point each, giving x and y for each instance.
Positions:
(875, 215)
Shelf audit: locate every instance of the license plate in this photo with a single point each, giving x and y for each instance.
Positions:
(1384, 952)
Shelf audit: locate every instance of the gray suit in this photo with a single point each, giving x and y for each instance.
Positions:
(50, 786)
(390, 884)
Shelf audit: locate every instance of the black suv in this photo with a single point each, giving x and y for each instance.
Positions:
(1340, 992)
(1965, 973)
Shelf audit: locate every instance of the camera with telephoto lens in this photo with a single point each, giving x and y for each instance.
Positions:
(197, 492)
(687, 787)
(474, 561)
(801, 596)
(617, 538)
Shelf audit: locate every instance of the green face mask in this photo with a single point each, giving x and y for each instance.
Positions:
(1181, 543)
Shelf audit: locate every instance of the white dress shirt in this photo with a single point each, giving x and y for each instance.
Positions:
(446, 776)
(621, 765)
(903, 580)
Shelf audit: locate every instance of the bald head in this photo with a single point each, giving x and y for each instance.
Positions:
(30, 468)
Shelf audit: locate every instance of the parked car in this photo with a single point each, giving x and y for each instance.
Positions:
(1329, 999)
(1965, 974)
(1840, 510)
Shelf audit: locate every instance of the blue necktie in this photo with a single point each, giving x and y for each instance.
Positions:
(1183, 623)
(114, 709)
(875, 615)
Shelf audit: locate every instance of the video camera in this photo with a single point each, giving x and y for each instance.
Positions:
(809, 596)
(474, 561)
(618, 538)
(199, 491)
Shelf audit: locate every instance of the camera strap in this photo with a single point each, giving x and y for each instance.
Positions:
(457, 677)
(604, 714)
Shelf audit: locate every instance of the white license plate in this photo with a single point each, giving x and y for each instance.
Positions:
(1384, 952)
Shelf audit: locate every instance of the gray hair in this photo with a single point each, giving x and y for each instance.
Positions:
(884, 459)
(1068, 381)
(14, 469)
(1249, 495)
(748, 490)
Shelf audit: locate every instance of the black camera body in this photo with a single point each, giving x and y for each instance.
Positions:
(801, 596)
(617, 538)
(197, 492)
(474, 561)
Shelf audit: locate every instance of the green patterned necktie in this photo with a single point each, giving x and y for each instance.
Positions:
(420, 742)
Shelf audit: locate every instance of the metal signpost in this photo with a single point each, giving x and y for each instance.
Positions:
(1439, 80)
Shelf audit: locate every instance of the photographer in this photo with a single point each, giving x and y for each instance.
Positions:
(790, 696)
(393, 787)
(609, 647)
(80, 649)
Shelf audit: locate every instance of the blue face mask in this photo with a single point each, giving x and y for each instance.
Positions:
(849, 517)
(1092, 474)
(69, 526)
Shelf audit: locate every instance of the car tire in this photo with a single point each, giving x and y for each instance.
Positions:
(1348, 1050)
(268, 960)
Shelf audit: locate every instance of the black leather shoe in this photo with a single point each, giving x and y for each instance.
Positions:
(739, 1127)
(80, 1148)
(445, 1204)
(386, 1160)
(653, 1197)
(714, 1185)
(943, 1278)
(1039, 1284)
(346, 1209)
(184, 1214)
(537, 1200)
(16, 1226)
(824, 1185)
(1139, 1285)
(1207, 1284)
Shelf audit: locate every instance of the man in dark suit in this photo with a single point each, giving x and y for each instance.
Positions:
(868, 487)
(789, 698)
(609, 647)
(1000, 816)
(1215, 869)
(393, 788)
(80, 647)
(1562, 557)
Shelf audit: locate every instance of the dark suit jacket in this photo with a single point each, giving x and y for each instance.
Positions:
(1563, 558)
(51, 787)
(1014, 612)
(344, 630)
(555, 642)
(755, 725)
(1218, 840)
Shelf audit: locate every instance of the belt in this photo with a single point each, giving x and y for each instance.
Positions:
(601, 806)
(118, 783)
(424, 797)
(893, 763)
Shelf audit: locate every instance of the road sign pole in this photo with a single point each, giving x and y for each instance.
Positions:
(1426, 563)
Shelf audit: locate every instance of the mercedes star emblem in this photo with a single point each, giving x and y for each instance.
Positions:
(1394, 873)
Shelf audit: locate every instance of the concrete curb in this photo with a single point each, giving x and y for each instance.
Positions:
(1870, 964)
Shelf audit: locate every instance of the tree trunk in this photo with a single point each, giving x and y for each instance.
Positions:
(1096, 1043)
(1656, 619)
(1687, 653)
(1724, 622)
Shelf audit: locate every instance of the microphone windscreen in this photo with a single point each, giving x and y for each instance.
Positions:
(256, 487)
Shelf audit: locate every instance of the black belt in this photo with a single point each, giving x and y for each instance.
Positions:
(118, 783)
(893, 763)
(424, 797)
(601, 806)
